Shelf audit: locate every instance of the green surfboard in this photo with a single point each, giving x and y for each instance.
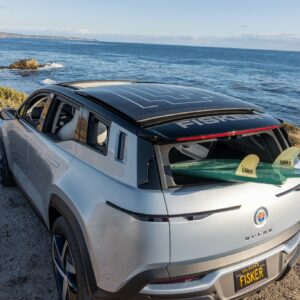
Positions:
(225, 170)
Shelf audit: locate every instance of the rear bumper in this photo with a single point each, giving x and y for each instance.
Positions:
(215, 284)
(219, 283)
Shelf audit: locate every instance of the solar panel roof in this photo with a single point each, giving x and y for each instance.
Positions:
(147, 102)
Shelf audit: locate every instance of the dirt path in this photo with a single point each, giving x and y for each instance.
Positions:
(25, 264)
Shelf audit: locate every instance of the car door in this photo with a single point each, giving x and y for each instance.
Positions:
(23, 144)
(41, 144)
(51, 147)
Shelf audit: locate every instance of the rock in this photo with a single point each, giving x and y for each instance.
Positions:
(25, 64)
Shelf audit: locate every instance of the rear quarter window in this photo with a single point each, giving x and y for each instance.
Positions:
(98, 133)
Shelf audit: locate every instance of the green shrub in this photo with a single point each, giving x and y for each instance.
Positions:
(11, 98)
(294, 133)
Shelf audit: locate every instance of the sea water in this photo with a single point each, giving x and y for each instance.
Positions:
(270, 79)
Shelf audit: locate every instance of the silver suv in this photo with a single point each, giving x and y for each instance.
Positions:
(155, 191)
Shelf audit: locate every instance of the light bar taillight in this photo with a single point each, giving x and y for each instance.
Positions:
(225, 134)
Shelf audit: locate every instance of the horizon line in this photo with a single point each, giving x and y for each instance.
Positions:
(81, 38)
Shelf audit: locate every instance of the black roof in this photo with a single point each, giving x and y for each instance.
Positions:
(151, 103)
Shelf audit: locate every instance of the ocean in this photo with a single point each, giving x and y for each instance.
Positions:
(270, 79)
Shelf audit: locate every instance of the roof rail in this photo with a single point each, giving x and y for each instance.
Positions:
(82, 84)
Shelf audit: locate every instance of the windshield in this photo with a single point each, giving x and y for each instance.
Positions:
(248, 157)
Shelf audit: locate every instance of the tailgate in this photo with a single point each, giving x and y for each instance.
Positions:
(224, 219)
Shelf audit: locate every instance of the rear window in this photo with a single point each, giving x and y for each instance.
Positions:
(215, 160)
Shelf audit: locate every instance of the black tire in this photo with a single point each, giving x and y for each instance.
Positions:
(6, 178)
(67, 263)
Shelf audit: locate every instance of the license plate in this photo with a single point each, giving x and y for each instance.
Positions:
(250, 275)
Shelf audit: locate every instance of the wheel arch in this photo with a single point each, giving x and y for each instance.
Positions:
(58, 208)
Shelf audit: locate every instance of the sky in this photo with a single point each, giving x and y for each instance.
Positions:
(266, 24)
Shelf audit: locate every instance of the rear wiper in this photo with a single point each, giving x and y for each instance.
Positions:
(294, 189)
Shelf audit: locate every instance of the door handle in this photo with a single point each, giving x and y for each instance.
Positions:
(53, 162)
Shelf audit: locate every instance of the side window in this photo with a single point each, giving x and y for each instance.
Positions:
(32, 111)
(97, 134)
(21, 110)
(62, 123)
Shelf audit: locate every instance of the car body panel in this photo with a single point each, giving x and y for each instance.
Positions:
(37, 161)
(104, 227)
(220, 281)
(207, 234)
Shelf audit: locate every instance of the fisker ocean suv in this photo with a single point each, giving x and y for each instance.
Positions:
(155, 191)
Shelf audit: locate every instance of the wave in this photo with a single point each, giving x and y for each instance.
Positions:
(50, 66)
(48, 81)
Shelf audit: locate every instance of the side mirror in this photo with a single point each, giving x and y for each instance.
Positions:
(8, 114)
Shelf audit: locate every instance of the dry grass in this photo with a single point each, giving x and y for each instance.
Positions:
(294, 133)
(11, 98)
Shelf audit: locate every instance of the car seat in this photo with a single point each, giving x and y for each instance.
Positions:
(101, 134)
(68, 130)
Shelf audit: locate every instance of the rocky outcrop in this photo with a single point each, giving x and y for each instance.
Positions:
(26, 64)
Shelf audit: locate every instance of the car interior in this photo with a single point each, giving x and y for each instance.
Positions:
(263, 145)
(34, 111)
(64, 122)
(98, 134)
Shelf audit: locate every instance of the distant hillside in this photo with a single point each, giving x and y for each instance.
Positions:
(34, 36)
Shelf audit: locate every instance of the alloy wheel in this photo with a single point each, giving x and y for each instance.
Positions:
(1, 169)
(64, 268)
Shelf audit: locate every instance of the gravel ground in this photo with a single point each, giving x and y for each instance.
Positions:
(25, 261)
(25, 264)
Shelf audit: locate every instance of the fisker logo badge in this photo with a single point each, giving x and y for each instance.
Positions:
(261, 216)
